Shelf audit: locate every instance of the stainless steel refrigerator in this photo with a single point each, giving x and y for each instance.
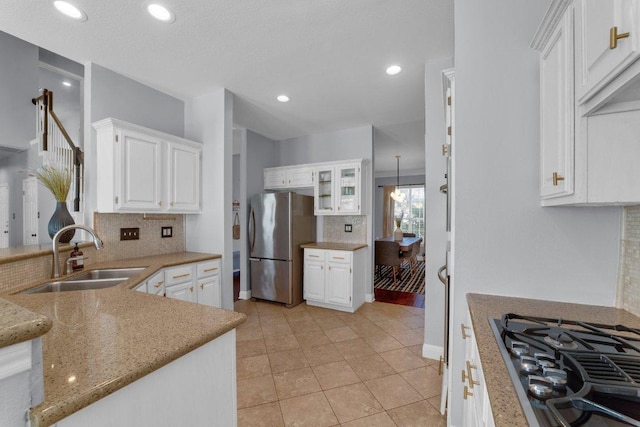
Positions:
(278, 224)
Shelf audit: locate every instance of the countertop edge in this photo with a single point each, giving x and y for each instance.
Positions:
(27, 326)
(335, 246)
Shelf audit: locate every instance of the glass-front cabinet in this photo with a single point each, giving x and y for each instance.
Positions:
(337, 189)
(325, 191)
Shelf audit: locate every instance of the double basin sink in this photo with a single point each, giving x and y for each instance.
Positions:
(94, 279)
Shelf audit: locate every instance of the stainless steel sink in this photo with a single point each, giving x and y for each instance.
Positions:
(94, 279)
(107, 273)
(75, 285)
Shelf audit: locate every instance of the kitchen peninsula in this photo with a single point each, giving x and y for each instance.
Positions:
(120, 357)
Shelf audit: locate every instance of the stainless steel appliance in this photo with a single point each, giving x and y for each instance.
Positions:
(278, 224)
(571, 373)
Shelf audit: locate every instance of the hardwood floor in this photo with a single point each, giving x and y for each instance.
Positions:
(392, 297)
(401, 298)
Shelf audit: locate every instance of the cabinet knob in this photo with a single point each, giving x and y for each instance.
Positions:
(557, 178)
(614, 37)
(191, 289)
(202, 286)
(160, 203)
(463, 328)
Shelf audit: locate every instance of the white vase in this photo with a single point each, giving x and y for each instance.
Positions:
(397, 234)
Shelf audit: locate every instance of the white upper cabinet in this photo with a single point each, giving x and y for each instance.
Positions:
(286, 177)
(589, 103)
(337, 189)
(557, 110)
(143, 170)
(609, 40)
(184, 177)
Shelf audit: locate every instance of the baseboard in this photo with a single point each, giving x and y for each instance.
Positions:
(432, 351)
(369, 298)
(245, 295)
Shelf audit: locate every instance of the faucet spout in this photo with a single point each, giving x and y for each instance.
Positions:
(97, 242)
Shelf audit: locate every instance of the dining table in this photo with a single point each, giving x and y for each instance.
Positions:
(405, 243)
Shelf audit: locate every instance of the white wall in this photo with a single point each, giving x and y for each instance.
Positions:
(505, 242)
(209, 119)
(435, 205)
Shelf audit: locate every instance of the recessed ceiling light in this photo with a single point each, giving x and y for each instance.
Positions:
(66, 83)
(283, 98)
(393, 70)
(70, 10)
(161, 13)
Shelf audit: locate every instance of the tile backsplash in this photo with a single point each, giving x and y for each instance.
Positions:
(629, 297)
(333, 229)
(16, 273)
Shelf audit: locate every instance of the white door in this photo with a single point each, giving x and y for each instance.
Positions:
(339, 283)
(30, 211)
(209, 292)
(140, 175)
(4, 215)
(184, 178)
(182, 291)
(600, 62)
(313, 286)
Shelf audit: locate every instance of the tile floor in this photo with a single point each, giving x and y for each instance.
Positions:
(310, 366)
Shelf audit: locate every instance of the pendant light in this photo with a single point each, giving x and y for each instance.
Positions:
(397, 195)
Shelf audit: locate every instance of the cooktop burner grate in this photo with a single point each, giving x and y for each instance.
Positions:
(607, 368)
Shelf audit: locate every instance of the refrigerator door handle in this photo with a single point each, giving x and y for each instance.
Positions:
(252, 231)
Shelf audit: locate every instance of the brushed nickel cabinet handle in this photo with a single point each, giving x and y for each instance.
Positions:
(182, 275)
(210, 269)
(157, 285)
(466, 393)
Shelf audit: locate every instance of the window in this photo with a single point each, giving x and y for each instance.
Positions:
(411, 210)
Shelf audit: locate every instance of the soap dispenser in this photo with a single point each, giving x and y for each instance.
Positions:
(76, 258)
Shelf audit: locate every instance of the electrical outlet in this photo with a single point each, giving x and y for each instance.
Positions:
(130, 234)
(348, 228)
(166, 232)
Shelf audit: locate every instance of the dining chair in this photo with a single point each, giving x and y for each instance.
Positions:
(388, 253)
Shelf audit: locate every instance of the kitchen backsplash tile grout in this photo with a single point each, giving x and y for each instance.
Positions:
(630, 261)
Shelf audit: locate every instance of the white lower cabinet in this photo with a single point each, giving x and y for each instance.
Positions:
(477, 408)
(334, 279)
(195, 282)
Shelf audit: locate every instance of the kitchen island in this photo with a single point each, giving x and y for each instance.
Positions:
(119, 357)
(506, 408)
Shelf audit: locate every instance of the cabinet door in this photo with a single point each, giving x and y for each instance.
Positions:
(184, 178)
(348, 190)
(313, 281)
(155, 285)
(182, 291)
(339, 283)
(300, 177)
(139, 172)
(557, 112)
(324, 191)
(209, 291)
(599, 62)
(274, 178)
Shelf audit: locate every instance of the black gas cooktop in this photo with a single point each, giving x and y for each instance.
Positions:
(572, 373)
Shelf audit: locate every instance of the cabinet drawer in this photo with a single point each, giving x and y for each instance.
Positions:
(339, 256)
(178, 274)
(314, 254)
(155, 285)
(208, 268)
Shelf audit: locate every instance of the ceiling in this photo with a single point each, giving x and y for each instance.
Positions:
(329, 56)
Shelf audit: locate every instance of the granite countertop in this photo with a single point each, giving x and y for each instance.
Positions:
(334, 246)
(505, 405)
(102, 340)
(17, 324)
